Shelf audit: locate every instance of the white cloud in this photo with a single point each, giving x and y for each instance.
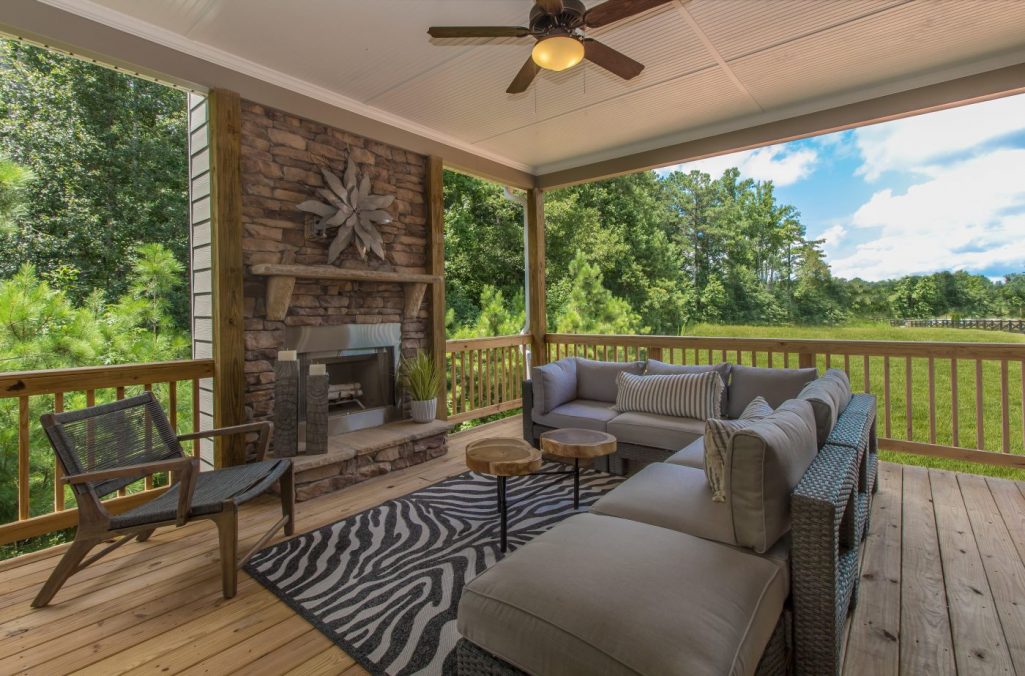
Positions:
(911, 143)
(779, 164)
(968, 215)
(833, 235)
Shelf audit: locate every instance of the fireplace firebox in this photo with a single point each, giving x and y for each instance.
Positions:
(362, 361)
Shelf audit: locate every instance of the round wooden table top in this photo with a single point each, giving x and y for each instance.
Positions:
(571, 442)
(502, 456)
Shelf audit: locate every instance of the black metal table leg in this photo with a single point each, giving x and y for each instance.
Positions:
(503, 508)
(576, 483)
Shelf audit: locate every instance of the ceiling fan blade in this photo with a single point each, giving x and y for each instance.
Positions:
(478, 31)
(614, 10)
(553, 7)
(523, 78)
(615, 62)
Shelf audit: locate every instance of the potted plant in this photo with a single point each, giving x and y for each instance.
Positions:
(419, 377)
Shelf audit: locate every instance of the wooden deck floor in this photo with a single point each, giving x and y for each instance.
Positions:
(943, 589)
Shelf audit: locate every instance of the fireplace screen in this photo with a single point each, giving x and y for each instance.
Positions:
(361, 365)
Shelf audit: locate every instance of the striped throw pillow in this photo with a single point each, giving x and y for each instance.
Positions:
(686, 395)
(718, 434)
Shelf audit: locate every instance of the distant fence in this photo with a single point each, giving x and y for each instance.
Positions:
(1012, 325)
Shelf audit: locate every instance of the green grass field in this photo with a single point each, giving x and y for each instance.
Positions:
(992, 423)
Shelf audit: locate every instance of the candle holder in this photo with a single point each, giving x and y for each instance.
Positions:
(316, 409)
(286, 405)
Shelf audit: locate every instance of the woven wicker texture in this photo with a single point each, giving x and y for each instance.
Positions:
(239, 484)
(128, 432)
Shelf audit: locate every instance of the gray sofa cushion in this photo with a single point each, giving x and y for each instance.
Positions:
(764, 463)
(658, 602)
(684, 395)
(828, 396)
(657, 431)
(654, 367)
(596, 380)
(670, 496)
(554, 384)
(691, 455)
(581, 413)
(717, 440)
(776, 385)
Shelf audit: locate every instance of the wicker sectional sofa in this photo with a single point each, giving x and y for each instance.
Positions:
(660, 579)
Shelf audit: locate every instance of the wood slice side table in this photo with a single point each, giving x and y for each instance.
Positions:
(502, 458)
(578, 444)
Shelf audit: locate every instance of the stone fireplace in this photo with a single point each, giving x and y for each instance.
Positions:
(358, 316)
(362, 362)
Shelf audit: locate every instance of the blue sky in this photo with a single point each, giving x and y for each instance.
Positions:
(941, 191)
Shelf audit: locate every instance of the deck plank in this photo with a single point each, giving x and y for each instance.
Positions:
(979, 645)
(1004, 570)
(925, 641)
(873, 647)
(139, 608)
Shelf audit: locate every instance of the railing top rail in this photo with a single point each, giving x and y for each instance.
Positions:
(24, 383)
(1011, 351)
(460, 344)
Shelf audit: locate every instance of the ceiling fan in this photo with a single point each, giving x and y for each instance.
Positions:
(558, 27)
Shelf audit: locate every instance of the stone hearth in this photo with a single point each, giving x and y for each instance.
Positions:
(357, 456)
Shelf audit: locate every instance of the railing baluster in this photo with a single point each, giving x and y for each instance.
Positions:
(932, 401)
(452, 393)
(769, 356)
(1005, 405)
(829, 361)
(754, 358)
(909, 419)
(866, 382)
(23, 459)
(847, 364)
(886, 396)
(955, 433)
(980, 431)
(462, 380)
(786, 360)
(58, 473)
(195, 417)
(148, 480)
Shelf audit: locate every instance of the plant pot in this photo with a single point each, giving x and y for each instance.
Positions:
(424, 411)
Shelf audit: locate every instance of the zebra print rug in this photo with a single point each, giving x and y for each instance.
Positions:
(384, 585)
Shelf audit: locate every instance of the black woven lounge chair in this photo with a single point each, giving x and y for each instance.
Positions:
(105, 448)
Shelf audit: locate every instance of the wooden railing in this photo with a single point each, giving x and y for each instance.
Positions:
(483, 375)
(1012, 325)
(953, 400)
(24, 396)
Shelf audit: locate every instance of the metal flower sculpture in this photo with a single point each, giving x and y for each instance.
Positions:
(350, 208)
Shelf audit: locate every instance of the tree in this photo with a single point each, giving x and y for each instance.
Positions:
(1013, 293)
(14, 178)
(108, 162)
(591, 308)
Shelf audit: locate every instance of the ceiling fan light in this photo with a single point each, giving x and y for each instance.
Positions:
(558, 53)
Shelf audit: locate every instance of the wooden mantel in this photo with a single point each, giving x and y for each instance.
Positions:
(281, 280)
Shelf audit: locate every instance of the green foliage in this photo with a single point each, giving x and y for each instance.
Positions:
(107, 169)
(590, 307)
(419, 376)
(14, 178)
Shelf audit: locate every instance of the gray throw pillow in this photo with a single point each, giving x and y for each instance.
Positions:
(654, 367)
(686, 395)
(828, 396)
(776, 385)
(764, 462)
(553, 384)
(596, 380)
(717, 440)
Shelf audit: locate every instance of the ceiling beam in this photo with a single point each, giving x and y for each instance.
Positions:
(48, 25)
(984, 86)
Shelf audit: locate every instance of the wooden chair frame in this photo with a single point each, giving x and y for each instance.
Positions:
(94, 521)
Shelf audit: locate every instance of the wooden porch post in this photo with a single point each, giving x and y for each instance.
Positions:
(436, 263)
(226, 243)
(537, 321)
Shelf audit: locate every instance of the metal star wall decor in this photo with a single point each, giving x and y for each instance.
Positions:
(350, 208)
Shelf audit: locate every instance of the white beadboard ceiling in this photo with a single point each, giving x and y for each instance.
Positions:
(708, 63)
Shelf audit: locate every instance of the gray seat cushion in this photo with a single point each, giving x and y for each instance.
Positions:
(654, 367)
(658, 602)
(691, 455)
(553, 384)
(657, 431)
(828, 396)
(596, 380)
(776, 385)
(581, 413)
